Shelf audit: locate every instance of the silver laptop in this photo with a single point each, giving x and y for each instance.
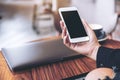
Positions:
(36, 53)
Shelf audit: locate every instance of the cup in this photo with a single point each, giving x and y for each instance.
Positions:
(98, 29)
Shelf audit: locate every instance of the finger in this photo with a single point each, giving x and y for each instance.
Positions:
(89, 30)
(61, 24)
(64, 33)
(63, 29)
(66, 41)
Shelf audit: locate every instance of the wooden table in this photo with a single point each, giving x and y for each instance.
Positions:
(54, 71)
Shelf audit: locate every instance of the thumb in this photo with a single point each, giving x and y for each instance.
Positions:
(90, 32)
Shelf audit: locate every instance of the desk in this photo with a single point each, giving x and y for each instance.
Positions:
(54, 71)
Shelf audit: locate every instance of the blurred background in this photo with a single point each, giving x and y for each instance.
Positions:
(26, 20)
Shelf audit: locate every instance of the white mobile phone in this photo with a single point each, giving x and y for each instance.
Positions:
(72, 21)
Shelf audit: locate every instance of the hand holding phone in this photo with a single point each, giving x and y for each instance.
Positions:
(72, 21)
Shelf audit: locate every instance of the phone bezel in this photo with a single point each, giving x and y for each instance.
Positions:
(77, 39)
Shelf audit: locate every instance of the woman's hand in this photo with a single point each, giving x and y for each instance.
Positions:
(89, 48)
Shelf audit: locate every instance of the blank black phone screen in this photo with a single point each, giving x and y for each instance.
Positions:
(74, 24)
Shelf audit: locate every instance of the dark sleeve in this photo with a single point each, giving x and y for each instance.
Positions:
(108, 57)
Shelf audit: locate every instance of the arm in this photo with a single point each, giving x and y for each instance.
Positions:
(105, 57)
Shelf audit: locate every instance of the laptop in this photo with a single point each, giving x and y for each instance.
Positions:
(33, 54)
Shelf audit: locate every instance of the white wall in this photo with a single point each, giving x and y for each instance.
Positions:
(97, 11)
(86, 8)
(105, 14)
